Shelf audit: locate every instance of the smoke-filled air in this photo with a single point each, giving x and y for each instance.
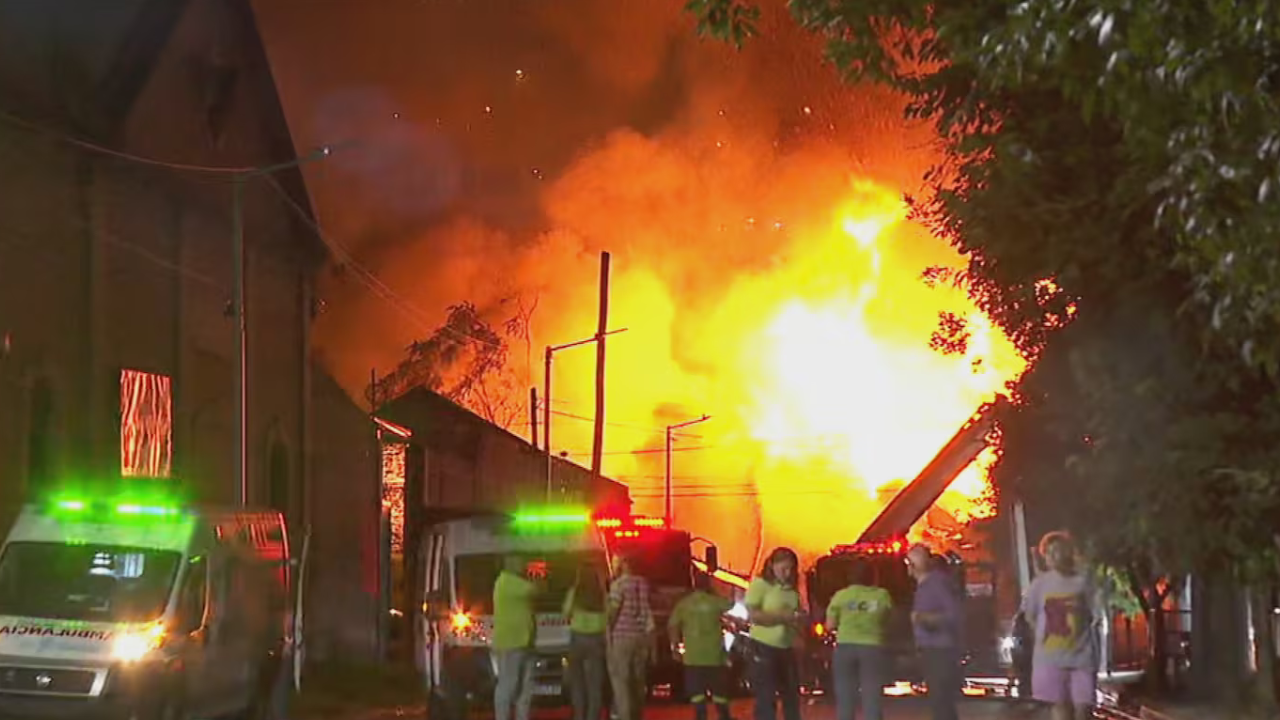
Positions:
(763, 265)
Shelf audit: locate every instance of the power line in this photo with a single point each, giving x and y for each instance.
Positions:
(364, 275)
(86, 145)
(646, 428)
(744, 493)
(371, 280)
(645, 451)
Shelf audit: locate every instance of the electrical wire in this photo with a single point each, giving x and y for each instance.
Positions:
(119, 154)
(371, 280)
(645, 451)
(646, 428)
(365, 276)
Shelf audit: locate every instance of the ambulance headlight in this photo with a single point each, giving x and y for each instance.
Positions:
(1007, 643)
(136, 644)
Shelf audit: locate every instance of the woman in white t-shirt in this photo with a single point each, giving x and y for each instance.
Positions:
(1062, 607)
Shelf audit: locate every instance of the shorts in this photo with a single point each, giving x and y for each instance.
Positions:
(1059, 685)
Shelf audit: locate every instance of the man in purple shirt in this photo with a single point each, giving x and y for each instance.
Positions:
(936, 618)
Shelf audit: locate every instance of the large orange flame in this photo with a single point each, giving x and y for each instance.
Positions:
(819, 377)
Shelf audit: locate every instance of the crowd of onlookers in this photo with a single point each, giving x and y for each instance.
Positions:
(612, 633)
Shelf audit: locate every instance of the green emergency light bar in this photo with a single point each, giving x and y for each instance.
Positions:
(76, 506)
(553, 517)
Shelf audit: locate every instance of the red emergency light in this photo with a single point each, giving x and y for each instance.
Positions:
(631, 521)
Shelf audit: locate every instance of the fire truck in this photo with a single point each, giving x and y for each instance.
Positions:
(883, 545)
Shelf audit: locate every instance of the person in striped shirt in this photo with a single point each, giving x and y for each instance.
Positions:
(631, 638)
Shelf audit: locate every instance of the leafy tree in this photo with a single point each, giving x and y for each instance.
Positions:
(1102, 179)
(1190, 91)
(465, 360)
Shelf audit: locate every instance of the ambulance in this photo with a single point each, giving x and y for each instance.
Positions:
(130, 607)
(461, 559)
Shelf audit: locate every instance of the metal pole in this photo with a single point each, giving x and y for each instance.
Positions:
(239, 296)
(546, 416)
(667, 494)
(241, 400)
(670, 512)
(1021, 546)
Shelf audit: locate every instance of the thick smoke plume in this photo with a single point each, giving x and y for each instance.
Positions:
(500, 146)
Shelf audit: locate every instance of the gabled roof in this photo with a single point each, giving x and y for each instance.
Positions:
(80, 66)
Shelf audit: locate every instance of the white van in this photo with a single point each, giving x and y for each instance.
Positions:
(461, 560)
(128, 608)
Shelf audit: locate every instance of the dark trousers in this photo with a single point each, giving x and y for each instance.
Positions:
(586, 675)
(774, 676)
(857, 671)
(707, 683)
(942, 675)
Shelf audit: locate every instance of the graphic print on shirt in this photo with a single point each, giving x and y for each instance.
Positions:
(1065, 621)
(865, 606)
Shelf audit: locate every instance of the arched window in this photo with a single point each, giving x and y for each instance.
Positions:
(40, 442)
(279, 484)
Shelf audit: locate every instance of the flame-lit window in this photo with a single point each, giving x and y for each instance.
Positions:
(146, 424)
(393, 477)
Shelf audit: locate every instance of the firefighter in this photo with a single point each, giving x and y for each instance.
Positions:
(696, 621)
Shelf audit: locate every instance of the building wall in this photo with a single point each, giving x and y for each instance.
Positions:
(343, 593)
(471, 463)
(108, 263)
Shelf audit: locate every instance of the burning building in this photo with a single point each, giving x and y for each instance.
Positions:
(763, 262)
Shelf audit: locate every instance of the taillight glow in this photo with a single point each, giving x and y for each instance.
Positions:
(461, 621)
(819, 629)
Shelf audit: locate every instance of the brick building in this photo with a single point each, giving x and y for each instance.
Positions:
(116, 340)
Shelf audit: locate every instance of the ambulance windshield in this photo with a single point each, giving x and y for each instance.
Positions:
(554, 572)
(94, 583)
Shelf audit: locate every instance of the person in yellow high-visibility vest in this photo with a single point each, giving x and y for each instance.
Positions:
(696, 622)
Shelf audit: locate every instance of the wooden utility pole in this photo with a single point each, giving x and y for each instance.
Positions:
(533, 417)
(602, 329)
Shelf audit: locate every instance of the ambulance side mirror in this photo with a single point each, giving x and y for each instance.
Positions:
(194, 601)
(713, 558)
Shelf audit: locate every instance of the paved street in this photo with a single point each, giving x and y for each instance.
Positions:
(895, 709)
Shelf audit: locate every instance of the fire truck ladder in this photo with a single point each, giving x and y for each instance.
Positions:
(914, 500)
